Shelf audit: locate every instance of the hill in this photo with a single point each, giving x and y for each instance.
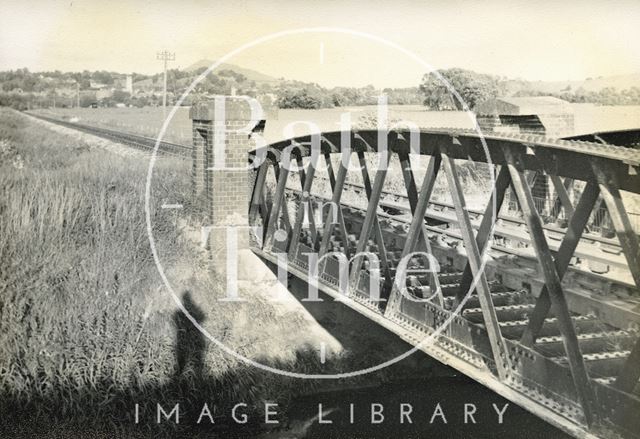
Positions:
(250, 74)
(619, 82)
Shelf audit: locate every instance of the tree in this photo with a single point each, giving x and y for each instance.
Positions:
(103, 77)
(305, 98)
(121, 96)
(295, 94)
(239, 77)
(87, 99)
(472, 87)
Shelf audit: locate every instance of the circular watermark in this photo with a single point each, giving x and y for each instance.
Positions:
(278, 35)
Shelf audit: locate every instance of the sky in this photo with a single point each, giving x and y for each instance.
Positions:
(534, 40)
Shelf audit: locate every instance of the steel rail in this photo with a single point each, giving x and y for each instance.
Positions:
(440, 215)
(134, 140)
(442, 205)
(518, 252)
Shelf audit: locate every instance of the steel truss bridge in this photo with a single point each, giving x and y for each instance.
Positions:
(551, 321)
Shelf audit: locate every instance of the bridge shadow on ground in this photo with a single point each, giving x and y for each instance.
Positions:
(109, 409)
(417, 380)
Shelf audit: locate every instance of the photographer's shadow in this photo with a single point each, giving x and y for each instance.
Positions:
(190, 342)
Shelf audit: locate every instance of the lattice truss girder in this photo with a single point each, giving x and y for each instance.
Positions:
(543, 336)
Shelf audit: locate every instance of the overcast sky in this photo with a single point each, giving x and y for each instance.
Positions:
(536, 40)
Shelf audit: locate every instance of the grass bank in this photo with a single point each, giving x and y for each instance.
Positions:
(86, 328)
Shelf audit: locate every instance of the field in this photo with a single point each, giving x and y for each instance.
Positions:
(86, 329)
(148, 121)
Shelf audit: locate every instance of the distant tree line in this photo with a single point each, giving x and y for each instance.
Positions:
(604, 96)
(18, 101)
(474, 88)
(222, 82)
(294, 94)
(24, 89)
(36, 82)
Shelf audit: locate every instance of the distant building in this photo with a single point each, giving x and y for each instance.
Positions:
(104, 93)
(129, 85)
(96, 85)
(543, 115)
(147, 85)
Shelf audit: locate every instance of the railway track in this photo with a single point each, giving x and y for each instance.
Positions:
(136, 141)
(602, 255)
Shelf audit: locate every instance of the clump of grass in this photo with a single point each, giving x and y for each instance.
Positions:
(75, 273)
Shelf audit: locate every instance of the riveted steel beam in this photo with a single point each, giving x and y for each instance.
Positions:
(369, 218)
(552, 282)
(304, 199)
(577, 225)
(502, 182)
(337, 186)
(382, 248)
(565, 158)
(302, 174)
(256, 193)
(563, 198)
(498, 347)
(285, 207)
(417, 233)
(609, 182)
(278, 201)
(409, 181)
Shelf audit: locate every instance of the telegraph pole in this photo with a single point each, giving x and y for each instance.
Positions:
(77, 94)
(165, 56)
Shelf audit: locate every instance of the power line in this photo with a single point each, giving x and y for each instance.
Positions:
(165, 56)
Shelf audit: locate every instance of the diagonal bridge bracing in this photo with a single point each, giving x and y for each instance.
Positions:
(531, 312)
